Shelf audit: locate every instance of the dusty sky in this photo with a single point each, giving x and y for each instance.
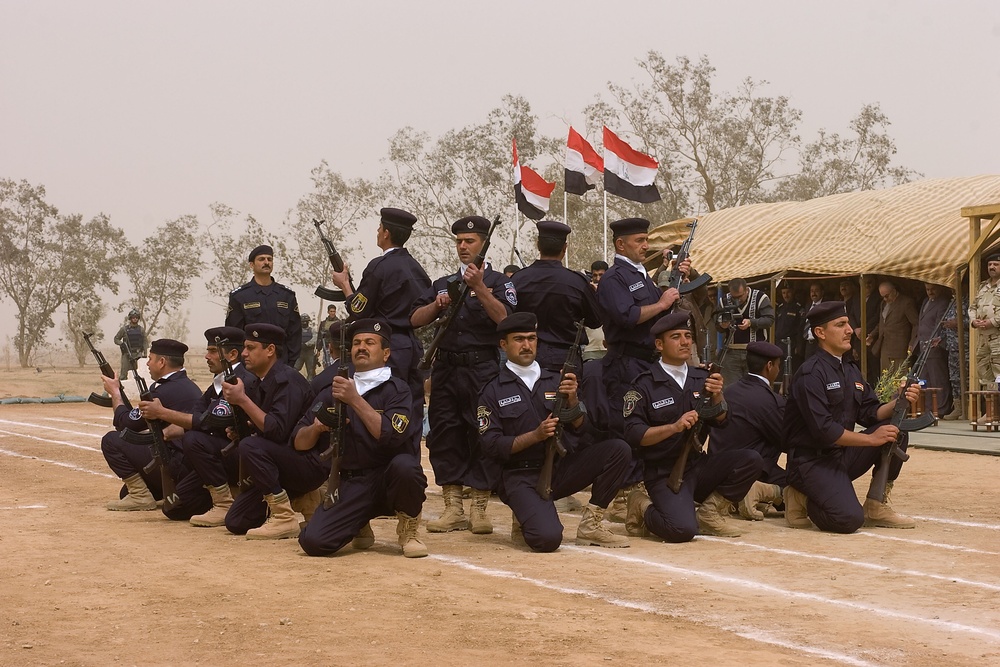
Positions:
(147, 111)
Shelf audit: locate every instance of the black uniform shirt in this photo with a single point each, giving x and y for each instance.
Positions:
(211, 399)
(559, 298)
(472, 326)
(755, 418)
(284, 396)
(389, 287)
(272, 304)
(622, 292)
(176, 392)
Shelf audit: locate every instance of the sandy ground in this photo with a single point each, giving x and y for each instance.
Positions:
(84, 586)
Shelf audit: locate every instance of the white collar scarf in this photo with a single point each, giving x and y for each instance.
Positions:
(636, 265)
(678, 373)
(365, 381)
(529, 374)
(217, 380)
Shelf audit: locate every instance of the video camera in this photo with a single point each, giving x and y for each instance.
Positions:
(728, 309)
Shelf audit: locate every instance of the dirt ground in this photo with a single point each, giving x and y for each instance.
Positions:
(84, 586)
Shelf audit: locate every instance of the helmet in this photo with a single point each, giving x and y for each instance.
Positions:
(133, 313)
(306, 318)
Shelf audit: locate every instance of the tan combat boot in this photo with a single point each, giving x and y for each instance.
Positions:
(759, 493)
(479, 520)
(281, 523)
(306, 504)
(881, 514)
(593, 532)
(711, 515)
(619, 506)
(222, 500)
(516, 534)
(406, 529)
(365, 538)
(454, 514)
(796, 504)
(138, 498)
(635, 521)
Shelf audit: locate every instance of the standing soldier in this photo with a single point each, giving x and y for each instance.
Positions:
(465, 361)
(558, 297)
(132, 340)
(389, 287)
(307, 357)
(262, 300)
(322, 338)
(788, 324)
(752, 320)
(984, 316)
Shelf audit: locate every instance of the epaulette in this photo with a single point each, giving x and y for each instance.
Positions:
(275, 283)
(241, 287)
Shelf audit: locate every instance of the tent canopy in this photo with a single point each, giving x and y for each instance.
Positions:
(913, 231)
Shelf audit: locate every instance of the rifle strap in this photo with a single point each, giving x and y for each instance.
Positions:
(569, 415)
(711, 411)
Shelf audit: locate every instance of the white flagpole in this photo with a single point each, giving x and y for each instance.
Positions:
(605, 225)
(566, 222)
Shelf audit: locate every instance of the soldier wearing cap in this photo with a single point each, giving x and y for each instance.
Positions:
(659, 409)
(557, 296)
(389, 287)
(515, 420)
(307, 357)
(263, 300)
(466, 360)
(276, 470)
(828, 397)
(755, 422)
(984, 317)
(324, 380)
(378, 472)
(172, 390)
(131, 338)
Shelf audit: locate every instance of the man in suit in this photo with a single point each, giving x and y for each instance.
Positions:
(897, 323)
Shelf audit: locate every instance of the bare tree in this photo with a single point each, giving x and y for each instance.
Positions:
(83, 315)
(229, 241)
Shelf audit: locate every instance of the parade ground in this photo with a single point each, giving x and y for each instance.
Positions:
(85, 586)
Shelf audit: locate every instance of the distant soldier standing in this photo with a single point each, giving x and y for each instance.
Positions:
(307, 357)
(131, 338)
(262, 300)
(984, 316)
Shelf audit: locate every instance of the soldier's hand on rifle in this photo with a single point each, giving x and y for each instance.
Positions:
(112, 385)
(546, 429)
(473, 277)
(883, 435)
(442, 300)
(569, 387)
(687, 420)
(669, 298)
(713, 384)
(911, 393)
(319, 426)
(342, 279)
(684, 267)
(172, 432)
(235, 394)
(151, 409)
(344, 390)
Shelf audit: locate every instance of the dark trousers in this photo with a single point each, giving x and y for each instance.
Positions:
(619, 372)
(602, 464)
(453, 441)
(398, 487)
(936, 374)
(203, 454)
(771, 472)
(825, 477)
(272, 467)
(672, 515)
(406, 354)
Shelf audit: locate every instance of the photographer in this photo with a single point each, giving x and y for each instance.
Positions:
(752, 318)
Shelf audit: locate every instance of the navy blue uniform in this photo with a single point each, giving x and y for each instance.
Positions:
(657, 399)
(755, 422)
(272, 304)
(175, 392)
(507, 409)
(267, 456)
(465, 361)
(389, 287)
(559, 298)
(377, 476)
(828, 396)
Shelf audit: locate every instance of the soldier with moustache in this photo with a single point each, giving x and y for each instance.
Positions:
(558, 297)
(515, 420)
(378, 473)
(465, 361)
(659, 409)
(275, 468)
(171, 389)
(263, 300)
(825, 454)
(389, 287)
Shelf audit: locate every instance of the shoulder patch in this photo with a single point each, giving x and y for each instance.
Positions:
(399, 422)
(630, 400)
(358, 303)
(483, 417)
(134, 414)
(222, 409)
(859, 386)
(510, 293)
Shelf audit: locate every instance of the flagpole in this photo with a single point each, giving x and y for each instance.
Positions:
(565, 222)
(605, 225)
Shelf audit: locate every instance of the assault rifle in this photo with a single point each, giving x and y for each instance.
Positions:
(238, 420)
(458, 291)
(336, 261)
(786, 379)
(106, 371)
(333, 418)
(554, 445)
(880, 478)
(676, 278)
(695, 436)
(161, 455)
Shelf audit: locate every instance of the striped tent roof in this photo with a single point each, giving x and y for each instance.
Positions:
(911, 231)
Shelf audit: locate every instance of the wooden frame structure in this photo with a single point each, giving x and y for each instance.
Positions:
(980, 239)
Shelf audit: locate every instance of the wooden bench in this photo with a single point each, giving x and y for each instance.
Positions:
(992, 399)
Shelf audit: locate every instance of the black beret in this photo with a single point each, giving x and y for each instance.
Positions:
(517, 322)
(679, 319)
(995, 257)
(233, 336)
(168, 348)
(552, 229)
(371, 325)
(823, 312)
(265, 334)
(765, 349)
(471, 224)
(398, 217)
(260, 250)
(628, 226)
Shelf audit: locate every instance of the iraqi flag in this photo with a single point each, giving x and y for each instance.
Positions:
(628, 173)
(583, 165)
(531, 191)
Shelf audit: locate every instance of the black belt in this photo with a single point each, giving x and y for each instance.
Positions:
(357, 472)
(635, 351)
(524, 465)
(469, 358)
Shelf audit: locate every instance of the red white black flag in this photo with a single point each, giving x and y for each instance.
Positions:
(531, 191)
(583, 165)
(628, 173)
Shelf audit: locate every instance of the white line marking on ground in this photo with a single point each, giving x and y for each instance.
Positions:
(76, 421)
(57, 463)
(784, 592)
(49, 428)
(649, 609)
(926, 543)
(23, 507)
(953, 522)
(853, 563)
(54, 442)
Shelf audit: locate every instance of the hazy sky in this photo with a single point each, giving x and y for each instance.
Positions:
(147, 111)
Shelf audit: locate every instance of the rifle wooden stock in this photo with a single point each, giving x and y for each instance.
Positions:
(106, 371)
(554, 445)
(444, 322)
(336, 261)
